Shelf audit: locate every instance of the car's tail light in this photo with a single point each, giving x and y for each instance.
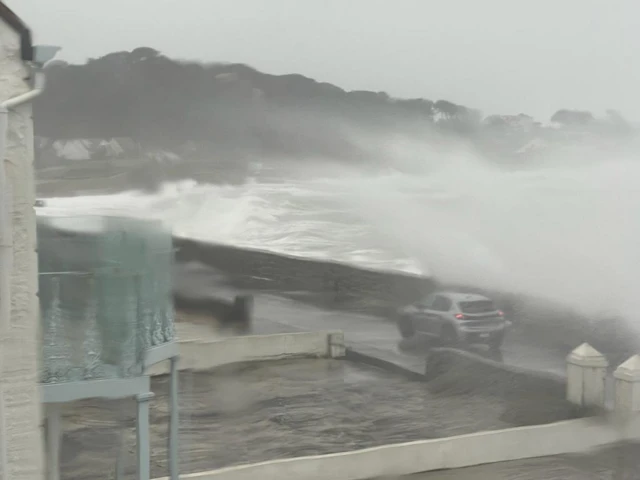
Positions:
(500, 313)
(460, 316)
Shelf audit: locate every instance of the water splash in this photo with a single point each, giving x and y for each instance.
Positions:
(566, 231)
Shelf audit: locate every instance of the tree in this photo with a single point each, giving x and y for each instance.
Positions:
(418, 107)
(157, 101)
(617, 120)
(143, 53)
(458, 118)
(447, 108)
(496, 121)
(572, 117)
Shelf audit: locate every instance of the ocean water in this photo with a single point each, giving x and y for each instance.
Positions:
(568, 231)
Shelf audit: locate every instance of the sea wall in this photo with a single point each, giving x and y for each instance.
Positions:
(329, 284)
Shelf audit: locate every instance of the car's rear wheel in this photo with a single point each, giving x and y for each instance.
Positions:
(405, 325)
(449, 336)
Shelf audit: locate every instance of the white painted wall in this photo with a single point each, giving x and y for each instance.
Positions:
(392, 461)
(202, 355)
(21, 441)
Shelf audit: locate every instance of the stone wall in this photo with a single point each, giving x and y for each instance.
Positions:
(326, 283)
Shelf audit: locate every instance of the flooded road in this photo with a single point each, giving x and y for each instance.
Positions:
(255, 412)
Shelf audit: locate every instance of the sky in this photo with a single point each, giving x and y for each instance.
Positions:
(501, 56)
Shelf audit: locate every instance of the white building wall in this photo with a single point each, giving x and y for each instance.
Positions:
(21, 441)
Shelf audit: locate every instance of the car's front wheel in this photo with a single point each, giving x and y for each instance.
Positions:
(405, 325)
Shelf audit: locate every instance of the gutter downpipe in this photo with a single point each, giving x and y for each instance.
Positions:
(6, 197)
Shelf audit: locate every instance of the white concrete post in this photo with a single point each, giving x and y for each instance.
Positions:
(143, 443)
(627, 386)
(174, 426)
(586, 371)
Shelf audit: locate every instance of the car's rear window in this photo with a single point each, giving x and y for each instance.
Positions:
(477, 306)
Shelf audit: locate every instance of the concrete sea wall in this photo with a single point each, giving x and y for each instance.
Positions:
(330, 284)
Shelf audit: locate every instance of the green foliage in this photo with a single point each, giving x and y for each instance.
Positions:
(233, 110)
(153, 99)
(572, 117)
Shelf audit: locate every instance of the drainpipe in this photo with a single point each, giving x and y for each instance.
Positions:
(6, 197)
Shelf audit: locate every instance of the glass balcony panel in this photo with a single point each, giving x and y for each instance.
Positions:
(105, 296)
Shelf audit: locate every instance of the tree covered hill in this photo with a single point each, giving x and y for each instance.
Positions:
(196, 109)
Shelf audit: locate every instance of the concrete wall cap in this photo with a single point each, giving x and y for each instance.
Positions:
(587, 356)
(629, 370)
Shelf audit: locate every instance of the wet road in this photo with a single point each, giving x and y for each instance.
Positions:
(365, 334)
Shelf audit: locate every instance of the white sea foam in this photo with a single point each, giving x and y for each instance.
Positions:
(567, 231)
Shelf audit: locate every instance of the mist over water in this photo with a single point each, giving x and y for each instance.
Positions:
(567, 232)
(564, 230)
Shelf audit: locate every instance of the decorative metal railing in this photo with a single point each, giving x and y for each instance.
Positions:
(106, 314)
(105, 296)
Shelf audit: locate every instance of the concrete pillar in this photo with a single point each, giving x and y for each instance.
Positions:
(174, 467)
(142, 436)
(54, 437)
(21, 418)
(586, 371)
(627, 386)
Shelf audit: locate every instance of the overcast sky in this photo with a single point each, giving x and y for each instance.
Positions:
(502, 56)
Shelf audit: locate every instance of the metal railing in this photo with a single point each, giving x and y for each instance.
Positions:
(105, 299)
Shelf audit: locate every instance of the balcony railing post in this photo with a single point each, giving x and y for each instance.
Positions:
(54, 436)
(142, 436)
(174, 468)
